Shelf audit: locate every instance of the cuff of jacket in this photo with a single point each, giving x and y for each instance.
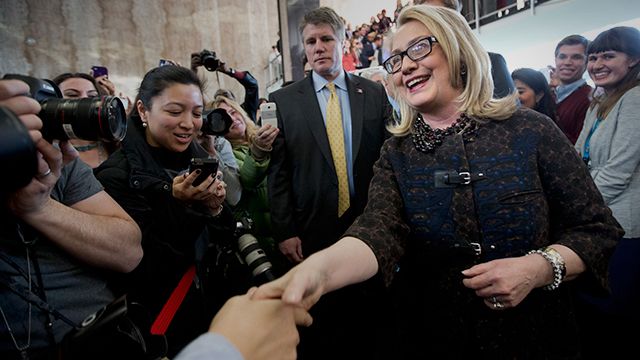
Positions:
(258, 152)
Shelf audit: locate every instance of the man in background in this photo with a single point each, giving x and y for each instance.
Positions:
(332, 126)
(572, 93)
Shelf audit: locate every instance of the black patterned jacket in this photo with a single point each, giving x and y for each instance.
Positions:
(528, 189)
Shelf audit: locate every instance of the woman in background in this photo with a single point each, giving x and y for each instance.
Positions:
(79, 86)
(252, 150)
(610, 144)
(533, 91)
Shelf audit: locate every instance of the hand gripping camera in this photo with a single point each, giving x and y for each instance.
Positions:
(99, 118)
(252, 253)
(209, 60)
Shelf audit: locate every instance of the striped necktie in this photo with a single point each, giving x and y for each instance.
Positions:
(335, 133)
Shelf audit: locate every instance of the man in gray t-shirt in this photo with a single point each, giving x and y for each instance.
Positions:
(66, 225)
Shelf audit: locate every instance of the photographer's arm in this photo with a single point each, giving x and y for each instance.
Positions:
(95, 230)
(250, 84)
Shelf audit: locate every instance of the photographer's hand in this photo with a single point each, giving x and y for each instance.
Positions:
(222, 67)
(69, 153)
(12, 96)
(195, 61)
(33, 198)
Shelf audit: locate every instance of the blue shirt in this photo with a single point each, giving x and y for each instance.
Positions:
(322, 94)
(210, 346)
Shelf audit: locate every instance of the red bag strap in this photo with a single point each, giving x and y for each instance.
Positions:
(161, 324)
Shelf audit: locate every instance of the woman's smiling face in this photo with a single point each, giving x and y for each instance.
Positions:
(175, 117)
(425, 84)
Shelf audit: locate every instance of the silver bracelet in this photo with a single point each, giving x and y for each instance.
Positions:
(556, 261)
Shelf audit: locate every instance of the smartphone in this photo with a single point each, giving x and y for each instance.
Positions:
(268, 114)
(207, 167)
(97, 71)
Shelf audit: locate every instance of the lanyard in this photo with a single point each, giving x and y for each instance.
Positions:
(585, 149)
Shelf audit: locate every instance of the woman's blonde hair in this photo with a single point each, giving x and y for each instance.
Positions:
(464, 53)
(251, 128)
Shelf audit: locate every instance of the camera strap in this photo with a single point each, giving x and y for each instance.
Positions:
(164, 318)
(32, 298)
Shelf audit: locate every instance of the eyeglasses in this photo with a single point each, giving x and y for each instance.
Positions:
(416, 52)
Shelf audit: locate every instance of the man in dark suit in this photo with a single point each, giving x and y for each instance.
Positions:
(305, 186)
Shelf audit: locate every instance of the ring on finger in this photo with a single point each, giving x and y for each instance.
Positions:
(493, 300)
(498, 305)
(45, 174)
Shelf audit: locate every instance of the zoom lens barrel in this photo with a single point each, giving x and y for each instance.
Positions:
(255, 258)
(100, 118)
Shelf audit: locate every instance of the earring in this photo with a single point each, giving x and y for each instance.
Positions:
(463, 73)
(144, 124)
(463, 69)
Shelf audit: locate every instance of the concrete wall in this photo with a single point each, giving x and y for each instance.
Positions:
(44, 38)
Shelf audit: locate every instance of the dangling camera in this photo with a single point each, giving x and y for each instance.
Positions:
(252, 253)
(99, 118)
(209, 60)
(216, 122)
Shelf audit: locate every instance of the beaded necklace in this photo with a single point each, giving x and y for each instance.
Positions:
(426, 139)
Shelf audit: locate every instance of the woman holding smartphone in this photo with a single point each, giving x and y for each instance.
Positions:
(252, 150)
(182, 224)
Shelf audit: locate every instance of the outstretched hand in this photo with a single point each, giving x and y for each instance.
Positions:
(301, 286)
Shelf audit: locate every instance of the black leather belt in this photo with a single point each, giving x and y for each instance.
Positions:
(452, 178)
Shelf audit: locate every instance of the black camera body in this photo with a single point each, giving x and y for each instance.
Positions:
(209, 60)
(252, 254)
(216, 122)
(18, 153)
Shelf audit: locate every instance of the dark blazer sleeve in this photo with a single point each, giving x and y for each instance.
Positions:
(502, 81)
(279, 179)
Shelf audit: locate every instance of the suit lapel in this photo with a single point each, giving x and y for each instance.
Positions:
(315, 121)
(356, 100)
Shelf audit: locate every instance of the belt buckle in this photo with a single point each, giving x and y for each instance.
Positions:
(465, 177)
(477, 248)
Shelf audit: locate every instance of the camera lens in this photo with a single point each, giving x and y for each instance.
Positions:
(17, 153)
(255, 258)
(99, 118)
(216, 122)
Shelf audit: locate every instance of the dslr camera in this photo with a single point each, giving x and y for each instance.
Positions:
(209, 60)
(252, 254)
(216, 122)
(99, 118)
